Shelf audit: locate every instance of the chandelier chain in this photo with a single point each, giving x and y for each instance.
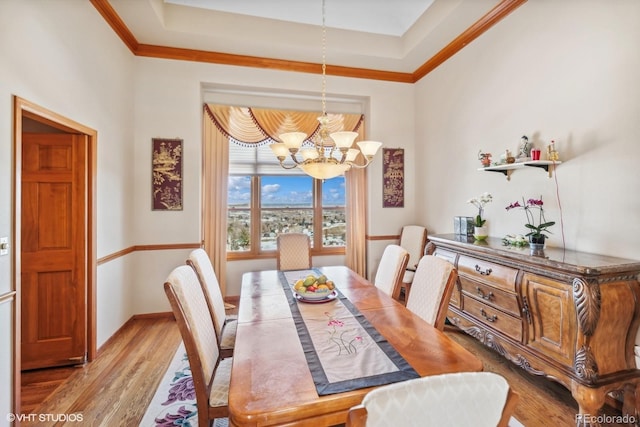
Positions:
(320, 162)
(324, 62)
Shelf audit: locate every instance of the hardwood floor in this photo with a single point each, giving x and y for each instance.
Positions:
(116, 388)
(541, 402)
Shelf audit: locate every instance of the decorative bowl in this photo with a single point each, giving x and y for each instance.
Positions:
(315, 296)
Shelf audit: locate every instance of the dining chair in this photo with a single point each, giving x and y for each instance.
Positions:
(225, 325)
(431, 289)
(390, 270)
(211, 374)
(294, 251)
(413, 239)
(479, 399)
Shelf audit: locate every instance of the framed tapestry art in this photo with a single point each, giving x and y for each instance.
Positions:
(392, 177)
(167, 174)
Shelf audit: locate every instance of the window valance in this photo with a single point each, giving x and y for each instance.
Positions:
(259, 126)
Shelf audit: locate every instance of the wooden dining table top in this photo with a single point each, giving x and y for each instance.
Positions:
(271, 383)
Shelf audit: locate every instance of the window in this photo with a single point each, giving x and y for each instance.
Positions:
(261, 206)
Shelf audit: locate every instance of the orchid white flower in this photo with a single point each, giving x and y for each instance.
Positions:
(480, 202)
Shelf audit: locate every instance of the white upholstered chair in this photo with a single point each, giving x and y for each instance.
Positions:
(211, 374)
(294, 251)
(391, 269)
(225, 325)
(431, 289)
(478, 399)
(413, 239)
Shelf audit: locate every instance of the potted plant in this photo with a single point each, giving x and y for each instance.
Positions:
(485, 159)
(537, 233)
(480, 230)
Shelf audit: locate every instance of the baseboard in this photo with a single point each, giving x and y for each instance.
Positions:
(160, 315)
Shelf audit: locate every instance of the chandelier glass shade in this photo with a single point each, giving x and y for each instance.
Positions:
(332, 154)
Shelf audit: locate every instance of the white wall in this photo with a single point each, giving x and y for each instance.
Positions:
(551, 70)
(62, 56)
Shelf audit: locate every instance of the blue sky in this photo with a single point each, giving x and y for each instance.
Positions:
(286, 190)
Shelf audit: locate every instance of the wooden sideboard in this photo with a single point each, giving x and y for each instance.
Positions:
(569, 316)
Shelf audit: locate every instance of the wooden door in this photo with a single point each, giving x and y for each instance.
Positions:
(53, 252)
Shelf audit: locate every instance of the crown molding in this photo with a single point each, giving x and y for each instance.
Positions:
(491, 18)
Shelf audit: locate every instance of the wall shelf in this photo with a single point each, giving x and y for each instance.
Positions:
(507, 169)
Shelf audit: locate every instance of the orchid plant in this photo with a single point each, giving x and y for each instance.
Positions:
(480, 202)
(537, 232)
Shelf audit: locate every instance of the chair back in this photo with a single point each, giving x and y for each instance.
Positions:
(190, 309)
(294, 251)
(391, 270)
(413, 239)
(431, 289)
(479, 399)
(201, 263)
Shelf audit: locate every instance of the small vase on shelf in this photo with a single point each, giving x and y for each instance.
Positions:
(481, 233)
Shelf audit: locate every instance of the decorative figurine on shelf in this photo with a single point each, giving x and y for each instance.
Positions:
(485, 159)
(525, 148)
(552, 154)
(507, 157)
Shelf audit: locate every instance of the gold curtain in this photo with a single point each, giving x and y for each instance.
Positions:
(356, 250)
(250, 126)
(215, 177)
(260, 126)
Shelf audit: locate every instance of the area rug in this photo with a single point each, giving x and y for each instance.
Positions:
(174, 403)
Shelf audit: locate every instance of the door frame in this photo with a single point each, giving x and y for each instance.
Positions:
(23, 108)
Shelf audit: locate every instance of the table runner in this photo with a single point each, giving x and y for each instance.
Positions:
(343, 350)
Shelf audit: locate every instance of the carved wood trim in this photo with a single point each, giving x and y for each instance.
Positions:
(430, 248)
(493, 342)
(585, 365)
(586, 296)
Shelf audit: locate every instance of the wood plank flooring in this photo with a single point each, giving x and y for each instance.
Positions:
(116, 388)
(541, 402)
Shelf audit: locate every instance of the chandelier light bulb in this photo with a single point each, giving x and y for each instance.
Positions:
(369, 148)
(293, 139)
(344, 139)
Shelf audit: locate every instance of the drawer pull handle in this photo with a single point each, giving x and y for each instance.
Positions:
(486, 272)
(484, 296)
(487, 317)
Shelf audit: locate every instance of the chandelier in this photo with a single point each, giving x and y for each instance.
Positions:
(332, 153)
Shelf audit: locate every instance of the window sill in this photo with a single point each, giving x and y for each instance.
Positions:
(240, 256)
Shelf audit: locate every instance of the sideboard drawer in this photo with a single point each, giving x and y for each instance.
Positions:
(488, 272)
(444, 254)
(491, 295)
(493, 318)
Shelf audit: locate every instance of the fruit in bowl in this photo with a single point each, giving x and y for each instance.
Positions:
(314, 288)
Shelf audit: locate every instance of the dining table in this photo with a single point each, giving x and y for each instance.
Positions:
(306, 363)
